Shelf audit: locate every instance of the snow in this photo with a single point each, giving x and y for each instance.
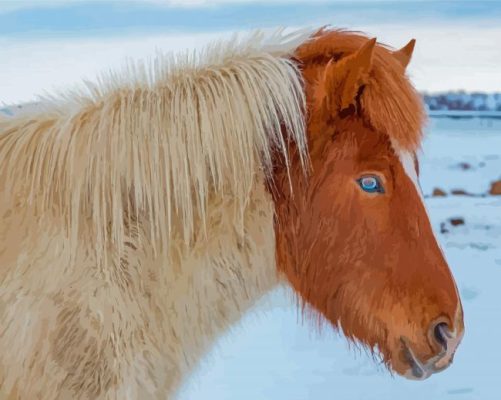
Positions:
(272, 355)
(450, 142)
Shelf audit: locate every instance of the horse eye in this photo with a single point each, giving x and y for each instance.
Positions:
(370, 184)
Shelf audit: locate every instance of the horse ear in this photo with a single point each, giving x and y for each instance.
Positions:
(343, 79)
(404, 55)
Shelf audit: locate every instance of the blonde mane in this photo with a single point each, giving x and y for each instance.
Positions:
(157, 140)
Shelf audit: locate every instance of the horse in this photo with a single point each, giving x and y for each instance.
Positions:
(142, 215)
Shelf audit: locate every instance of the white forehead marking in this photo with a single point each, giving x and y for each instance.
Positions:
(409, 165)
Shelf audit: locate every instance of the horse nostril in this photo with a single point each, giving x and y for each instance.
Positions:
(441, 334)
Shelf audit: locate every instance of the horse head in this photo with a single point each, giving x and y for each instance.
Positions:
(353, 235)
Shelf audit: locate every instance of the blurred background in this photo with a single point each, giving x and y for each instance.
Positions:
(48, 46)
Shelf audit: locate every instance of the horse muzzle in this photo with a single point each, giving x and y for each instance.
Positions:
(440, 337)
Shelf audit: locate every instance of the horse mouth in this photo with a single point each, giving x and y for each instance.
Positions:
(419, 370)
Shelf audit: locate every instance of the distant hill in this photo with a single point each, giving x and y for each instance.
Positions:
(463, 101)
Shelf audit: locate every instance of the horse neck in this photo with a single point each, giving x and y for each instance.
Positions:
(221, 277)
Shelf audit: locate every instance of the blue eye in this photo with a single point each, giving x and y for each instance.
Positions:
(370, 184)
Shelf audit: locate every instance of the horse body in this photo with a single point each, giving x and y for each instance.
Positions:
(141, 220)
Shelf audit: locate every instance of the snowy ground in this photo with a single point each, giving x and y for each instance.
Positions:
(272, 355)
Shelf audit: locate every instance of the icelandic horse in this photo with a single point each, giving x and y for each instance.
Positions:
(143, 215)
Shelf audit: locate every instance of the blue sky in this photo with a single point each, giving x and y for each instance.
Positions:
(86, 18)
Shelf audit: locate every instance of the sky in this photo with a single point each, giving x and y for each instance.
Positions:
(84, 18)
(49, 45)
